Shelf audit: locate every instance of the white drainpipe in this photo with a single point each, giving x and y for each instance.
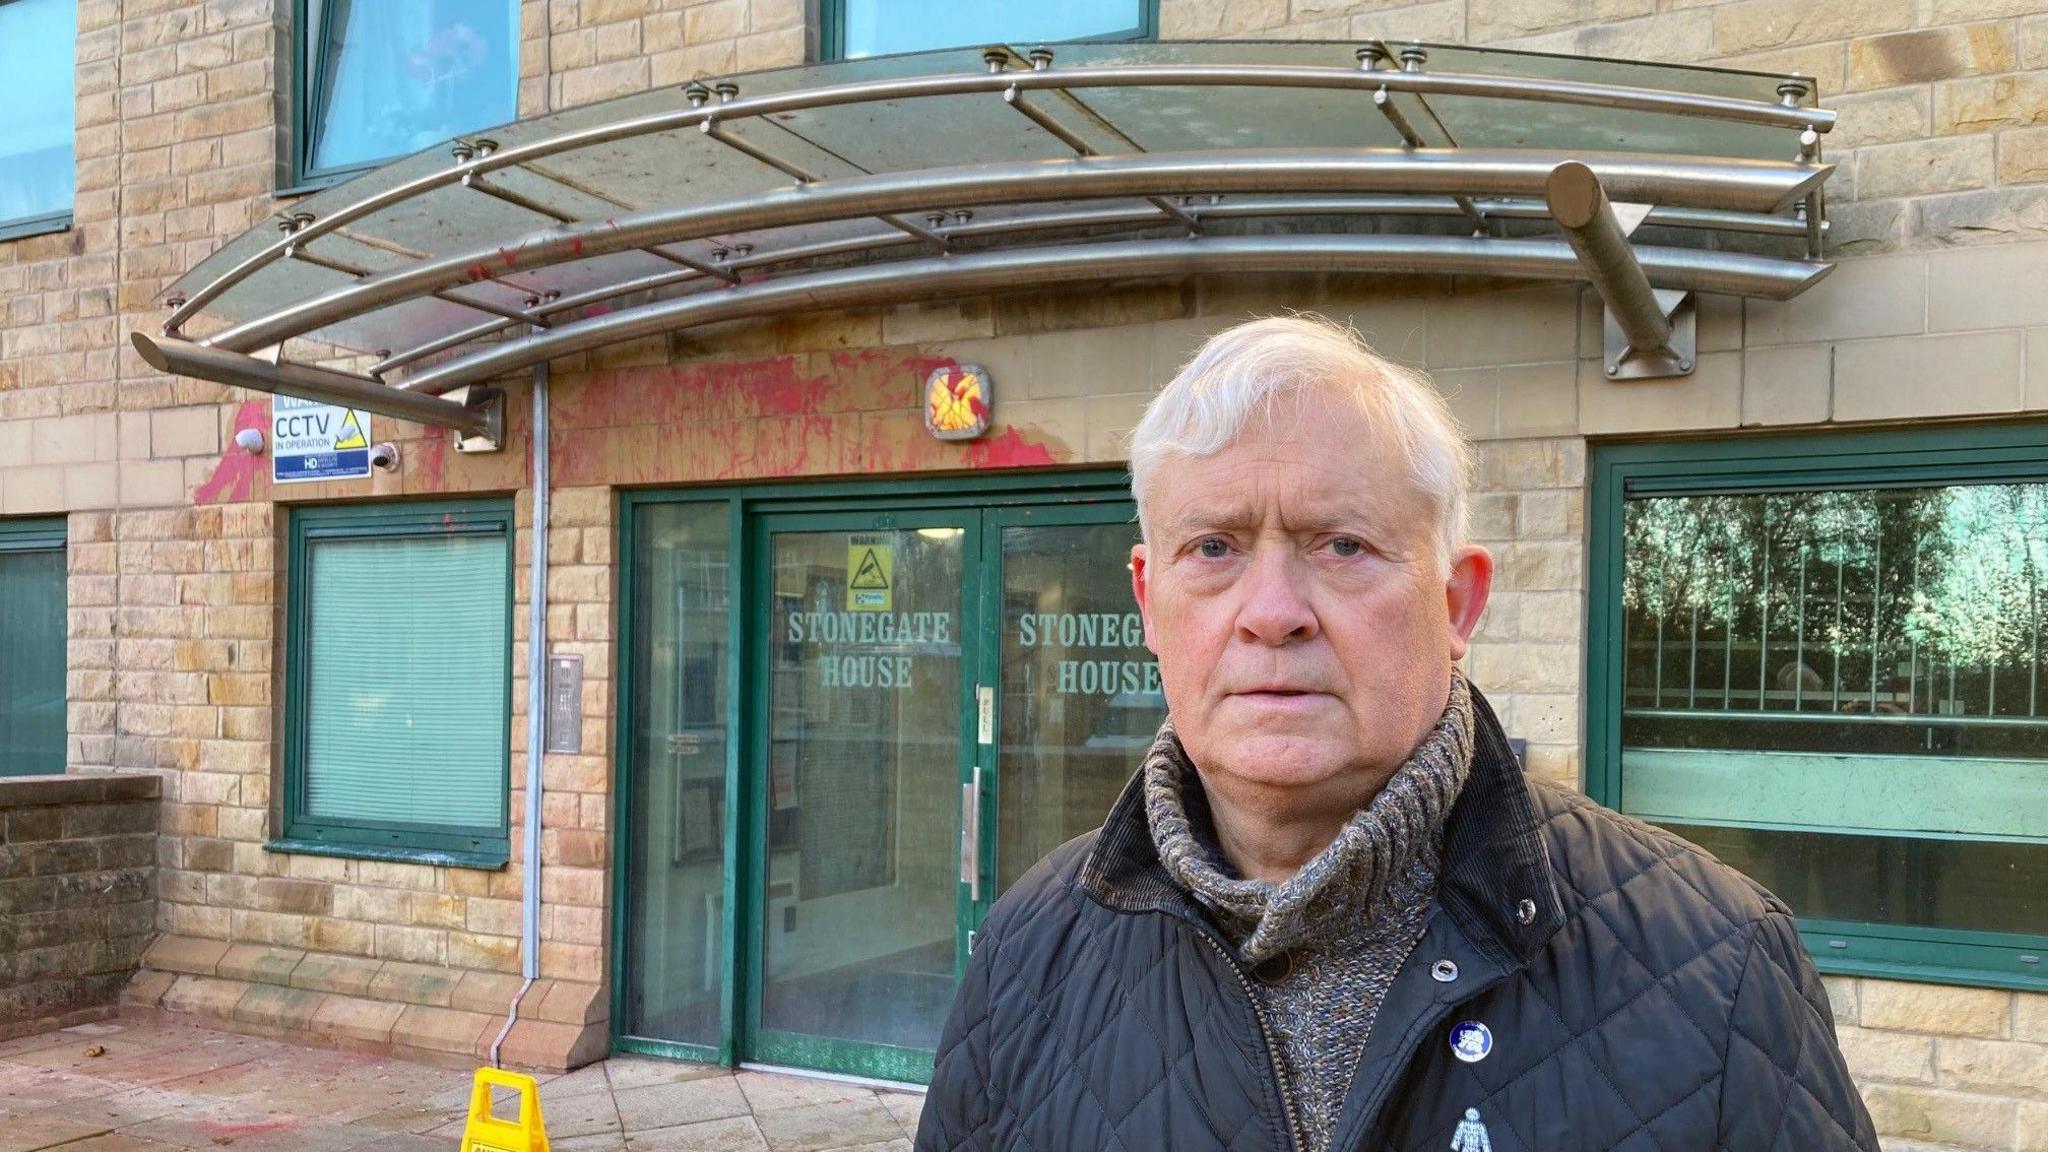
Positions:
(536, 703)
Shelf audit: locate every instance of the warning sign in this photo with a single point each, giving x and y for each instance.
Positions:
(871, 562)
(310, 441)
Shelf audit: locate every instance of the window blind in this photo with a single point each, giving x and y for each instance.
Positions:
(407, 662)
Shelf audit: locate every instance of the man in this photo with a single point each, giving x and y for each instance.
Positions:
(1329, 912)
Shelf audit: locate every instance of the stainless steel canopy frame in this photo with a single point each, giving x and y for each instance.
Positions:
(504, 254)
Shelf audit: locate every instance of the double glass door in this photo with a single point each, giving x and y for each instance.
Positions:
(931, 699)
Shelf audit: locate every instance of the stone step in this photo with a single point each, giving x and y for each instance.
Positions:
(420, 1011)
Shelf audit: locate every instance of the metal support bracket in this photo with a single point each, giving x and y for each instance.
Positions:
(1641, 323)
(1625, 362)
(488, 403)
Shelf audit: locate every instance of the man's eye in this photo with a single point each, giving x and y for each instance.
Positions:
(1346, 547)
(1213, 549)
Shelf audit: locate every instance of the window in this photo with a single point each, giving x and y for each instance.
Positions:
(873, 27)
(384, 78)
(38, 41)
(32, 637)
(398, 682)
(1821, 659)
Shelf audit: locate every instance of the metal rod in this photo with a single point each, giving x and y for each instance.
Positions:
(300, 254)
(1582, 209)
(1876, 587)
(1692, 661)
(325, 385)
(1382, 100)
(1890, 718)
(516, 199)
(1728, 640)
(1762, 112)
(1799, 638)
(710, 128)
(701, 267)
(904, 280)
(1763, 628)
(1060, 132)
(420, 352)
(1913, 644)
(1242, 208)
(509, 314)
(1842, 556)
(1492, 172)
(1659, 677)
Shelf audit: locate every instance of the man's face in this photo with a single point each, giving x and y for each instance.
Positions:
(1292, 590)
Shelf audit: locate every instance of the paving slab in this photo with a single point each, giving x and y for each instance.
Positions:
(155, 1085)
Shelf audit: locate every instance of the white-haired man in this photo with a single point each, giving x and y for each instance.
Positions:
(1329, 912)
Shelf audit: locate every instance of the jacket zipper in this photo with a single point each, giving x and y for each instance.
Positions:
(1265, 1035)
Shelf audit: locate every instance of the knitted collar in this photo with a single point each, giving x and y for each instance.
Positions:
(1397, 829)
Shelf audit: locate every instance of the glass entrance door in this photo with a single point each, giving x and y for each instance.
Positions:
(848, 731)
(1079, 697)
(865, 730)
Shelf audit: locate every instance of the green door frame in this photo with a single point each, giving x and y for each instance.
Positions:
(1097, 496)
(1949, 454)
(831, 1054)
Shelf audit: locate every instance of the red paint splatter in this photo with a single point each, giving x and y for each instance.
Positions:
(1009, 450)
(433, 462)
(234, 478)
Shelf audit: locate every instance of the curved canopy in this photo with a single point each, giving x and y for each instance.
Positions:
(896, 178)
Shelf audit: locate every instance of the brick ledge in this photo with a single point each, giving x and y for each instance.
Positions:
(419, 1011)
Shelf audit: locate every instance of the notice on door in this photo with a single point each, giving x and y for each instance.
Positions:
(310, 441)
(871, 574)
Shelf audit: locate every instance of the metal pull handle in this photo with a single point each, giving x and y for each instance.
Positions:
(970, 835)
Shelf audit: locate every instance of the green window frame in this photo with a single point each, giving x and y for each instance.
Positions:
(42, 105)
(832, 30)
(444, 53)
(33, 676)
(1910, 461)
(481, 843)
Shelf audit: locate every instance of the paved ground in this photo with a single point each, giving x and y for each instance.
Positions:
(161, 1087)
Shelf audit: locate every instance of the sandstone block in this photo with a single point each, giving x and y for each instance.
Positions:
(186, 955)
(1755, 25)
(348, 976)
(1929, 54)
(1943, 1117)
(1919, 167)
(1889, 379)
(1987, 103)
(1936, 1008)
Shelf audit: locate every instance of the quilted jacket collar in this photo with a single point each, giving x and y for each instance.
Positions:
(1494, 857)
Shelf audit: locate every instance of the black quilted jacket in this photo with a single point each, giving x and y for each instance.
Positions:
(1640, 996)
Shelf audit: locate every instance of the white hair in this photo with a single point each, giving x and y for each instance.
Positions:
(1243, 370)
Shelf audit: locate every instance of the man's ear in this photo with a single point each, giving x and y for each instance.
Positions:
(1465, 593)
(1142, 592)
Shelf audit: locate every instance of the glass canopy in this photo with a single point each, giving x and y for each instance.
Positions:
(884, 179)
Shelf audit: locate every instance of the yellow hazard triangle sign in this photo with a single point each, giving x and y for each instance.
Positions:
(351, 435)
(873, 565)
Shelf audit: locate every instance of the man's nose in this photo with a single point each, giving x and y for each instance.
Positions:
(1275, 607)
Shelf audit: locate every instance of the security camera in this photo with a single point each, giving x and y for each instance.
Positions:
(384, 456)
(249, 440)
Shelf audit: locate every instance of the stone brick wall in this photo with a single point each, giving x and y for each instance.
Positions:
(77, 895)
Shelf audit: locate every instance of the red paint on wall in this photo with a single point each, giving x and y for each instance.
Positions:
(1009, 450)
(234, 478)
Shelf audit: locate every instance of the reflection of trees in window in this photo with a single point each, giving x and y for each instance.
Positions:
(1865, 601)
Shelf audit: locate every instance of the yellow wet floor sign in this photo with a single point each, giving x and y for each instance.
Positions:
(487, 1133)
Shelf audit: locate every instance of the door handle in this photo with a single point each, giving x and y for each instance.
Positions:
(970, 836)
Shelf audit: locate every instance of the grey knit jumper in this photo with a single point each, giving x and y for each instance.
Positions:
(1326, 943)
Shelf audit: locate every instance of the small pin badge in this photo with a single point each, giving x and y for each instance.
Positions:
(1471, 1041)
(1470, 1135)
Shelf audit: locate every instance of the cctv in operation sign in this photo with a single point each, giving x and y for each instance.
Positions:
(310, 441)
